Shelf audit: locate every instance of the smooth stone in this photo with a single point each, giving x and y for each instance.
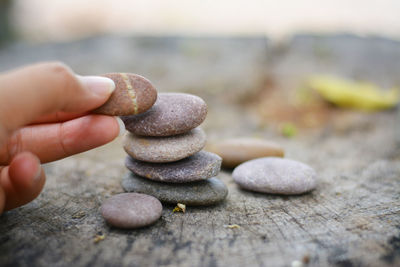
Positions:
(201, 193)
(164, 149)
(131, 210)
(238, 150)
(133, 94)
(276, 176)
(173, 113)
(200, 166)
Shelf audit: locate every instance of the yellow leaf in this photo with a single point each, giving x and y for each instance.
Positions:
(351, 94)
(180, 208)
(99, 237)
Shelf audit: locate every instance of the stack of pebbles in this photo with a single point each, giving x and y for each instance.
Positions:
(165, 156)
(133, 95)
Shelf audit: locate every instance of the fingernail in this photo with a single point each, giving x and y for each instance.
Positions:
(101, 86)
(38, 174)
(121, 126)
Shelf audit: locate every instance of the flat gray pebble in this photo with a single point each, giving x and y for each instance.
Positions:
(131, 210)
(200, 166)
(173, 113)
(276, 176)
(164, 149)
(201, 193)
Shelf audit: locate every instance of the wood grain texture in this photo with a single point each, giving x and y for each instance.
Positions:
(351, 219)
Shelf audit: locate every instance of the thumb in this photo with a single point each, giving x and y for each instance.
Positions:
(44, 88)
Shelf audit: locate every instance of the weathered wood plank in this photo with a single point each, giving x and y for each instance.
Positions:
(352, 218)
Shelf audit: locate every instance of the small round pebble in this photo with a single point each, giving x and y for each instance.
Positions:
(173, 113)
(276, 176)
(200, 166)
(164, 149)
(201, 193)
(133, 94)
(131, 210)
(238, 150)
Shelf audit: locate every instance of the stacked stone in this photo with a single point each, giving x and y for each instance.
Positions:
(165, 156)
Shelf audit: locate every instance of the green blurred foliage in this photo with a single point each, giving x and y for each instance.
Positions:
(289, 130)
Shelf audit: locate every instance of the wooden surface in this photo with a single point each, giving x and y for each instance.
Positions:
(351, 219)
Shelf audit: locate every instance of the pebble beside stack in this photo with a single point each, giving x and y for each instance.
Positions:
(165, 157)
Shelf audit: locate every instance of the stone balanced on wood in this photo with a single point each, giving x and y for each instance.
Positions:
(133, 94)
(165, 157)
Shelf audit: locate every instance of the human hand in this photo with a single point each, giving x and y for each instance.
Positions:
(44, 117)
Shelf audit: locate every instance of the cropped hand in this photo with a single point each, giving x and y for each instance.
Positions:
(44, 116)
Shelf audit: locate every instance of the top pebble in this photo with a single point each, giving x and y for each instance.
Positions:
(133, 95)
(173, 113)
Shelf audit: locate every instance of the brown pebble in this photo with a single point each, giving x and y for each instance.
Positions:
(133, 95)
(238, 150)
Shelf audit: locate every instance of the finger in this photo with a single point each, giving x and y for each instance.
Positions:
(45, 88)
(55, 141)
(22, 181)
(58, 117)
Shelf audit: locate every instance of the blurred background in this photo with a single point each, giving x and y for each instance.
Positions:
(63, 20)
(266, 68)
(321, 78)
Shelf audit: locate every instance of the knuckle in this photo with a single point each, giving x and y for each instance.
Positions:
(64, 82)
(56, 65)
(14, 145)
(62, 137)
(61, 72)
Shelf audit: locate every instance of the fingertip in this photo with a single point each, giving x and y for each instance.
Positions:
(117, 128)
(23, 181)
(102, 130)
(121, 126)
(25, 169)
(87, 132)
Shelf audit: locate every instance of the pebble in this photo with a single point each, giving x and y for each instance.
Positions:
(201, 193)
(131, 210)
(238, 150)
(173, 113)
(200, 166)
(164, 149)
(133, 94)
(275, 175)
